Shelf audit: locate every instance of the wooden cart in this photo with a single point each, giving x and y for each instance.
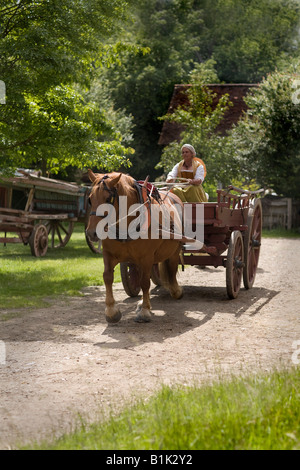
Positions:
(41, 211)
(232, 239)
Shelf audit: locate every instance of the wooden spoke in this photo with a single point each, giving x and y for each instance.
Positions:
(59, 232)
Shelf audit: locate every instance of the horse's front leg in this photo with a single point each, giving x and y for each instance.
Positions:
(143, 311)
(112, 312)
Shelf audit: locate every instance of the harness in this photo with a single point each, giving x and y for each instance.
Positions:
(112, 193)
(145, 193)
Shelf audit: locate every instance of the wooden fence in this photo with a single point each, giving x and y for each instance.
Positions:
(281, 212)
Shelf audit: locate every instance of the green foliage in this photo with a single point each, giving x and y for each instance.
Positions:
(247, 39)
(267, 140)
(47, 54)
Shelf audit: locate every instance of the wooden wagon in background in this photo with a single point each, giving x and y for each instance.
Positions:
(41, 211)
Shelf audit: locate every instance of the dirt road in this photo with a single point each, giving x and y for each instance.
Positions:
(65, 360)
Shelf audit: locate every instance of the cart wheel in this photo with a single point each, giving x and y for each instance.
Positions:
(130, 278)
(155, 276)
(234, 264)
(252, 242)
(38, 240)
(59, 232)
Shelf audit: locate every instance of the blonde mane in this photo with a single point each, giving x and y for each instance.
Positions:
(125, 186)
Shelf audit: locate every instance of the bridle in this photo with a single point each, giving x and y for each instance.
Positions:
(112, 193)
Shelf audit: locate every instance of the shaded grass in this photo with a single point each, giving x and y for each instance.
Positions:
(26, 281)
(281, 233)
(252, 413)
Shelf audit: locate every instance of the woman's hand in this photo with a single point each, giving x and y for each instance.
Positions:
(195, 182)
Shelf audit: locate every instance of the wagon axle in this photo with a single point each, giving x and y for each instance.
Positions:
(238, 263)
(255, 243)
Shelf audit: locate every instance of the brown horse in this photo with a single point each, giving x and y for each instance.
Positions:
(143, 252)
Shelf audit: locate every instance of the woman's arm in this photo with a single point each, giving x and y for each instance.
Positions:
(199, 176)
(173, 174)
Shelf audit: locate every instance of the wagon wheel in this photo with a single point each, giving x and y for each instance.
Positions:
(59, 232)
(38, 240)
(130, 275)
(234, 264)
(252, 242)
(155, 276)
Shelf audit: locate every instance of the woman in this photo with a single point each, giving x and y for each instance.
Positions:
(193, 170)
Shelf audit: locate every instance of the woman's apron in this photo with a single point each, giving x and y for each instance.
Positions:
(192, 193)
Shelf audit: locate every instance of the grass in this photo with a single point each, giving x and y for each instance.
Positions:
(26, 281)
(281, 233)
(254, 413)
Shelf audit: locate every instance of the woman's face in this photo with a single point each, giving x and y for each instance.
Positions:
(187, 155)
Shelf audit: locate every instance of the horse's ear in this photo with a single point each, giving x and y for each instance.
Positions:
(92, 176)
(115, 180)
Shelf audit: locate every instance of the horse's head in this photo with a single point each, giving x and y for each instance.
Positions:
(106, 190)
(103, 192)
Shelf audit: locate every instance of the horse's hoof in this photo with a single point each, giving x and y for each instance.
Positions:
(114, 319)
(144, 316)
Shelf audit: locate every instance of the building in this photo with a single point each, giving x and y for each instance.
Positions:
(171, 130)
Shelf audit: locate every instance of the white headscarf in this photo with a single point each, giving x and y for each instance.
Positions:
(190, 147)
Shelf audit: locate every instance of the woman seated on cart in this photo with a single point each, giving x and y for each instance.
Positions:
(193, 169)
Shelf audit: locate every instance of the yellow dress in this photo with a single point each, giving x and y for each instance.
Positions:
(192, 193)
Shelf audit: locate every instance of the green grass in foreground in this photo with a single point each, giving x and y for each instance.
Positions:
(259, 412)
(26, 281)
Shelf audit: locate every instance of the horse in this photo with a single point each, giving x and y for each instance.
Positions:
(145, 251)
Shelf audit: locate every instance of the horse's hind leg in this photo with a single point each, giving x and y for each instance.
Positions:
(168, 272)
(112, 312)
(143, 311)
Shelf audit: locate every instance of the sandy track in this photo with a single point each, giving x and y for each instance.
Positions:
(65, 360)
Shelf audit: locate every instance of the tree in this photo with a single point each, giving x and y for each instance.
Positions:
(248, 39)
(267, 140)
(48, 54)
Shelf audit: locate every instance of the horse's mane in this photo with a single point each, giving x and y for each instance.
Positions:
(125, 186)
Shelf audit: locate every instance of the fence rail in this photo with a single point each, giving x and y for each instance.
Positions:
(280, 212)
